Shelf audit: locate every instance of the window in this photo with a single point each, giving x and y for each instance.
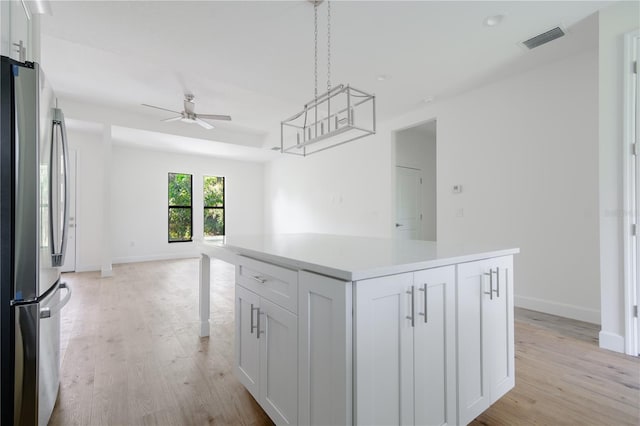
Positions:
(180, 207)
(213, 189)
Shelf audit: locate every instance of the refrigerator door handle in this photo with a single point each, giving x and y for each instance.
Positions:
(47, 312)
(57, 258)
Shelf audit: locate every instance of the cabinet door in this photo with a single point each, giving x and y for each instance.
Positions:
(325, 355)
(473, 359)
(499, 319)
(384, 350)
(278, 363)
(434, 347)
(246, 366)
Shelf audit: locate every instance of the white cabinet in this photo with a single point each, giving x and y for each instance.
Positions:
(485, 334)
(266, 342)
(435, 347)
(16, 30)
(325, 350)
(247, 360)
(405, 348)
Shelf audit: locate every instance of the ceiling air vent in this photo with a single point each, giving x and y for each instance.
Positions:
(543, 38)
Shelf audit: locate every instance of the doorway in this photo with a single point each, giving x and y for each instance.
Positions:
(416, 173)
(70, 255)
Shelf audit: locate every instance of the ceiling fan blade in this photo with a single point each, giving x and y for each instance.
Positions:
(204, 124)
(164, 109)
(168, 120)
(215, 117)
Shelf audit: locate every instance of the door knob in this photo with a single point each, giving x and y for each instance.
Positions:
(398, 225)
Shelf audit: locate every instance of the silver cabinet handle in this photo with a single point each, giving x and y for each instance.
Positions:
(426, 300)
(497, 282)
(412, 317)
(259, 279)
(258, 325)
(490, 292)
(253, 327)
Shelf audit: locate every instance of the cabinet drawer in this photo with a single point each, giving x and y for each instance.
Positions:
(274, 283)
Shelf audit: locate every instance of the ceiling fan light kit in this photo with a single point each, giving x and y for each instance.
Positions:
(342, 114)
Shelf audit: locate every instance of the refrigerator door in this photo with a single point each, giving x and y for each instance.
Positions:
(49, 352)
(52, 193)
(25, 374)
(26, 184)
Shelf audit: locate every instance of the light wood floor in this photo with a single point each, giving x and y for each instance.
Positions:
(131, 356)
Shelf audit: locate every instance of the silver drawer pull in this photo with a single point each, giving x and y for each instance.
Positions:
(259, 279)
(426, 301)
(490, 292)
(412, 317)
(253, 327)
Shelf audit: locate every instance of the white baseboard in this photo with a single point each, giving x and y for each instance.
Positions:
(88, 268)
(611, 341)
(149, 258)
(560, 309)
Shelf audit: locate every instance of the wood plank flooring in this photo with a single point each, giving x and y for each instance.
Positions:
(132, 356)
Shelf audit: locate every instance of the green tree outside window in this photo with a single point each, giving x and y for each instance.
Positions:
(214, 218)
(180, 207)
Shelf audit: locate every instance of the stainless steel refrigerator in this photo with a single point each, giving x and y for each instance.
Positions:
(33, 232)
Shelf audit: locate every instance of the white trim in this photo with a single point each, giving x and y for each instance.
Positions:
(630, 342)
(149, 258)
(611, 341)
(561, 309)
(86, 268)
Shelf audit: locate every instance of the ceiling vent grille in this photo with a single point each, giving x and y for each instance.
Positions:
(543, 38)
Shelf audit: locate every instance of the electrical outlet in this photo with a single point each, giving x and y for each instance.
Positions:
(460, 212)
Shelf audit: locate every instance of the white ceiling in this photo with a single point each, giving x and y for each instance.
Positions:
(254, 60)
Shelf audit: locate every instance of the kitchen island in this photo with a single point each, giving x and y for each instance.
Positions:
(347, 330)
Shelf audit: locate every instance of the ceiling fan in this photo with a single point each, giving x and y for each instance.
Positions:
(188, 115)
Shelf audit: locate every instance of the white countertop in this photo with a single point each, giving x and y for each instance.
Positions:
(349, 258)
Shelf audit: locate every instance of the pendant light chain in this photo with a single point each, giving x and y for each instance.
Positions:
(328, 45)
(315, 48)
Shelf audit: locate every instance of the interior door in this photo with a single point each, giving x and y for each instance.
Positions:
(69, 264)
(408, 202)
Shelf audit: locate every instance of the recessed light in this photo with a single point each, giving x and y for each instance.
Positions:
(382, 77)
(492, 21)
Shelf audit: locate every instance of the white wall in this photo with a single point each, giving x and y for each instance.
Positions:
(614, 22)
(139, 201)
(526, 152)
(416, 148)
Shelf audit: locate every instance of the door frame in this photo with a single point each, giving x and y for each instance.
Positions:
(631, 196)
(392, 165)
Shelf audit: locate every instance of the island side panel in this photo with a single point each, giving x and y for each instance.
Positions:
(325, 367)
(204, 296)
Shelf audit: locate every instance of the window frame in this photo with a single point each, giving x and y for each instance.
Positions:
(223, 207)
(179, 207)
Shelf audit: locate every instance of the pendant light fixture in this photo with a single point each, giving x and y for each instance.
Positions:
(342, 114)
